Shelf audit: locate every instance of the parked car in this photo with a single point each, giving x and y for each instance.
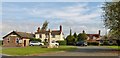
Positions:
(55, 43)
(36, 43)
(81, 43)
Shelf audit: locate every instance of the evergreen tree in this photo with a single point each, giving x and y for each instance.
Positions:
(70, 38)
(75, 37)
(82, 37)
(44, 26)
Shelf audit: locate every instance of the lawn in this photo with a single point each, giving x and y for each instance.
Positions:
(0, 42)
(34, 50)
(114, 47)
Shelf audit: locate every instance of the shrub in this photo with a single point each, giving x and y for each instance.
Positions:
(62, 42)
(93, 43)
(45, 43)
(105, 43)
(70, 40)
(34, 39)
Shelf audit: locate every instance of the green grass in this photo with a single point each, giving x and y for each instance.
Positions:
(114, 47)
(34, 50)
(0, 42)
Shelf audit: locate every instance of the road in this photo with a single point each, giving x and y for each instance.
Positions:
(85, 51)
(82, 51)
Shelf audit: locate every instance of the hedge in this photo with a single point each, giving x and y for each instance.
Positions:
(34, 39)
(62, 42)
(93, 43)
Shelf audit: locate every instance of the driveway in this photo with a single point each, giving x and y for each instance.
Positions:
(85, 51)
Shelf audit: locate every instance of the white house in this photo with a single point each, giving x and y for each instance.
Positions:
(57, 35)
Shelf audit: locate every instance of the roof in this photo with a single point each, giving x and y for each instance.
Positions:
(26, 35)
(91, 35)
(22, 34)
(54, 32)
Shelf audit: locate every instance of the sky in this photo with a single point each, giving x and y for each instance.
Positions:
(57, 0)
(27, 16)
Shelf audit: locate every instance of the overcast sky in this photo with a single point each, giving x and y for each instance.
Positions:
(58, 0)
(27, 16)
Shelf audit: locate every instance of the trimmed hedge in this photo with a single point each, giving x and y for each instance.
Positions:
(34, 39)
(106, 43)
(62, 42)
(93, 43)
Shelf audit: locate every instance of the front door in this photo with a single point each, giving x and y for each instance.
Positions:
(24, 43)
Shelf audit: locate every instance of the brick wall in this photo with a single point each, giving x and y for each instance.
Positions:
(10, 41)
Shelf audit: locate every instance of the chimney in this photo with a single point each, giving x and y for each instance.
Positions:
(99, 32)
(83, 31)
(60, 28)
(38, 29)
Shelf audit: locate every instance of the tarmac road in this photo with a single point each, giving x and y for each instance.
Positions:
(82, 51)
(85, 51)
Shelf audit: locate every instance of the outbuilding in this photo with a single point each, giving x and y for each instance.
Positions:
(17, 39)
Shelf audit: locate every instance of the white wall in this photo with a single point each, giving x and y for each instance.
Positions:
(57, 37)
(37, 36)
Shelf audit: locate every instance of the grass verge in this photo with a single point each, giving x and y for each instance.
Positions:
(114, 47)
(34, 50)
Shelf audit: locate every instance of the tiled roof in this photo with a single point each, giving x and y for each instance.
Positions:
(91, 35)
(26, 35)
(55, 32)
(21, 34)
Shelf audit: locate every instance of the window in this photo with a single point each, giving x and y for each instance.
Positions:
(17, 40)
(46, 35)
(45, 40)
(8, 40)
(53, 36)
(40, 36)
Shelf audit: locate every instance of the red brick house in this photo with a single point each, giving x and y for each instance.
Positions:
(94, 37)
(17, 39)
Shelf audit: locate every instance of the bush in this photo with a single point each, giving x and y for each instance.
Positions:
(93, 43)
(70, 40)
(118, 42)
(62, 42)
(45, 43)
(106, 43)
(34, 39)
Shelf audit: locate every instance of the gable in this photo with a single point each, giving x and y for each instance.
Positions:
(20, 34)
(11, 34)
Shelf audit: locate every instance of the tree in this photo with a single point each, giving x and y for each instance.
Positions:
(82, 37)
(44, 26)
(70, 38)
(112, 17)
(75, 37)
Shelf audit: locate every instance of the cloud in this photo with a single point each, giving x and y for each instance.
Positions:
(78, 16)
(76, 13)
(57, 0)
